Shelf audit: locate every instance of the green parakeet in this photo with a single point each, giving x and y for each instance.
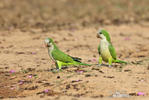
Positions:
(59, 57)
(106, 50)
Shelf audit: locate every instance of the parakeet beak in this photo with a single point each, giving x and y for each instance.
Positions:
(46, 42)
(98, 36)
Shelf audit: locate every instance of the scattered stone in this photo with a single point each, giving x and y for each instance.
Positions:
(119, 95)
(58, 77)
(76, 81)
(108, 76)
(127, 70)
(132, 94)
(88, 75)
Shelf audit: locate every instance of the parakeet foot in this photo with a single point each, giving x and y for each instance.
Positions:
(110, 66)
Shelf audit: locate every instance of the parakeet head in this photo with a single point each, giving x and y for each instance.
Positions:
(103, 34)
(48, 42)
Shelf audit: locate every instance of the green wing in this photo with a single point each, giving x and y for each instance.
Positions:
(99, 49)
(112, 51)
(61, 56)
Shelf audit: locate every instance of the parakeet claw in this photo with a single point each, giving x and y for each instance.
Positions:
(110, 65)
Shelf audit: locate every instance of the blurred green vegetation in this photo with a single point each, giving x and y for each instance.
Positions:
(58, 14)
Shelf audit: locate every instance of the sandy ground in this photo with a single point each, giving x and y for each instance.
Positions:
(25, 66)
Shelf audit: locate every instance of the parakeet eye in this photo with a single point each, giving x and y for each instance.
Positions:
(100, 32)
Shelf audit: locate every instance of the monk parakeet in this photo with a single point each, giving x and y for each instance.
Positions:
(106, 50)
(59, 57)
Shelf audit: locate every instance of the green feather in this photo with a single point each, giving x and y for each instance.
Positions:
(120, 61)
(106, 34)
(112, 51)
(110, 47)
(60, 58)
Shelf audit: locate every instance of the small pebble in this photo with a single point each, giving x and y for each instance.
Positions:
(58, 77)
(119, 95)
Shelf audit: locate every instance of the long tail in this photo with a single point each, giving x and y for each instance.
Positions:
(120, 61)
(80, 63)
(76, 64)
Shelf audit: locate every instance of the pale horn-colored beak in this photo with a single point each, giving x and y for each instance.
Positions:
(98, 36)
